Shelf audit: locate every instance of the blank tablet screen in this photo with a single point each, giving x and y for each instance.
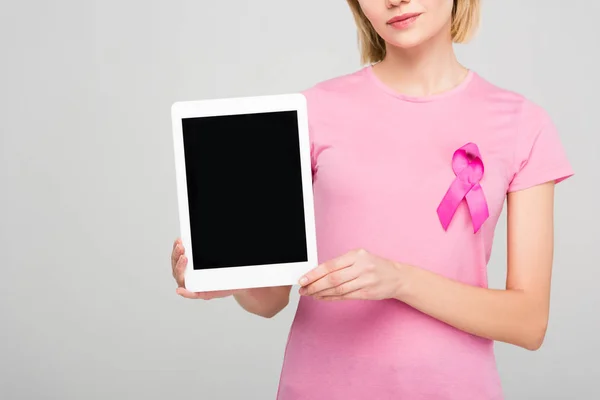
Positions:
(245, 192)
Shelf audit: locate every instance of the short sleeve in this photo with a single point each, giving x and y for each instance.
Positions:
(540, 156)
(312, 108)
(313, 158)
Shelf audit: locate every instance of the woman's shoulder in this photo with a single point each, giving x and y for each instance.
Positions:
(538, 152)
(330, 98)
(494, 96)
(342, 85)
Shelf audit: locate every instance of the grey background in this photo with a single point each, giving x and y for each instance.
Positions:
(88, 308)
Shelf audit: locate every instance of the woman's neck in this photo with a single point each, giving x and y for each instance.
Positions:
(423, 70)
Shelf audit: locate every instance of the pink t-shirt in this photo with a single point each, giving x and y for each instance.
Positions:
(382, 162)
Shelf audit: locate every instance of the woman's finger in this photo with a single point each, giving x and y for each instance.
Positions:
(330, 281)
(328, 267)
(177, 251)
(357, 294)
(176, 242)
(203, 295)
(183, 292)
(174, 259)
(179, 271)
(342, 289)
(176, 254)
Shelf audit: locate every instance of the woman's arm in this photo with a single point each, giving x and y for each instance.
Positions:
(265, 302)
(517, 315)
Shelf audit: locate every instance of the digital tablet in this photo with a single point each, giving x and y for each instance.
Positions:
(244, 189)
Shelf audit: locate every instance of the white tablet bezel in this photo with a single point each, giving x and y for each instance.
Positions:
(226, 278)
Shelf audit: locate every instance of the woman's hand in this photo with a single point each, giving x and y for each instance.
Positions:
(178, 263)
(355, 275)
(265, 302)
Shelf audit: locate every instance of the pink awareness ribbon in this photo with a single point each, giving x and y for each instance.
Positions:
(468, 168)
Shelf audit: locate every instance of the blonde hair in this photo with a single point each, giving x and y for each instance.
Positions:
(465, 21)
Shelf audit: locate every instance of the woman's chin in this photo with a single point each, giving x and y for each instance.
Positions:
(406, 41)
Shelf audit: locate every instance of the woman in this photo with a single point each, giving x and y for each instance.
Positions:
(413, 158)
